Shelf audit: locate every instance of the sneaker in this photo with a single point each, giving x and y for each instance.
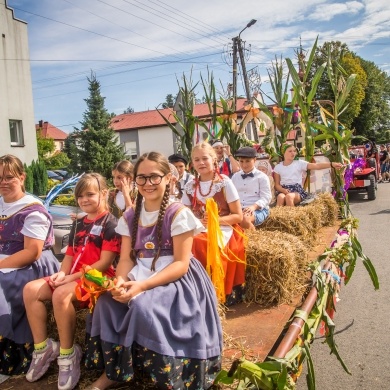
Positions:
(69, 373)
(41, 360)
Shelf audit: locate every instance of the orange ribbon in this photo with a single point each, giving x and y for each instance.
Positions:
(88, 290)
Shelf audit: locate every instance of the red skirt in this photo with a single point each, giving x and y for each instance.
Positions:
(232, 256)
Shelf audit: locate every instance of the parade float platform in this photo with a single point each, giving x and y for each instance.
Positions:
(250, 330)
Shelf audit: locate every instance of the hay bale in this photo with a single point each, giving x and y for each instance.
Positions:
(276, 270)
(292, 220)
(303, 222)
(330, 209)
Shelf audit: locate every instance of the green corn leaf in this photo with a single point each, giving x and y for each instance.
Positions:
(293, 72)
(372, 272)
(310, 377)
(346, 91)
(330, 340)
(315, 82)
(311, 58)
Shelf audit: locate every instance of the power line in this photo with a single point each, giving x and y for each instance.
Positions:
(121, 83)
(116, 24)
(148, 21)
(188, 17)
(129, 70)
(89, 31)
(177, 24)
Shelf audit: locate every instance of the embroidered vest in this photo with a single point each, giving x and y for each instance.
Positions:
(199, 208)
(146, 243)
(11, 238)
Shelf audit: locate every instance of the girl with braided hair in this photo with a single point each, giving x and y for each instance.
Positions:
(160, 321)
(209, 183)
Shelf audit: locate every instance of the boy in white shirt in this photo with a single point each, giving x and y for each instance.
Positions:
(254, 189)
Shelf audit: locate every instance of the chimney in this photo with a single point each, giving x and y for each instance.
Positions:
(40, 124)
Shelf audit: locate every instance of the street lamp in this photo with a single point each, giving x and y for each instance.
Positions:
(237, 49)
(251, 23)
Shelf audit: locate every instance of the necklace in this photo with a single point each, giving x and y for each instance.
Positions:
(209, 191)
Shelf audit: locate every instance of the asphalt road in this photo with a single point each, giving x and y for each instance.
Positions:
(363, 314)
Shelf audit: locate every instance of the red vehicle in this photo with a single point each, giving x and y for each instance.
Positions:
(366, 170)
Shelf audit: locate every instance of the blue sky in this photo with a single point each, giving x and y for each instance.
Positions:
(138, 48)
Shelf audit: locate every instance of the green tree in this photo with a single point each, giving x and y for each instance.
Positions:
(169, 101)
(45, 146)
(375, 110)
(95, 147)
(129, 110)
(351, 65)
(58, 161)
(29, 182)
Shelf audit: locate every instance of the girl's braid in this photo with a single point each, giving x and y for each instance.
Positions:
(137, 212)
(160, 219)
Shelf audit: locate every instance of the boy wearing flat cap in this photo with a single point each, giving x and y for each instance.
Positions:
(254, 189)
(180, 163)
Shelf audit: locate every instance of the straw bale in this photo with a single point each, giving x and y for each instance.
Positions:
(276, 270)
(292, 220)
(303, 222)
(330, 209)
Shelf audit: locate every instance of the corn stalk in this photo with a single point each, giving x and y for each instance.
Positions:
(280, 114)
(186, 123)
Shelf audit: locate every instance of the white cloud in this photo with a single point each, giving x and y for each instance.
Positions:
(327, 11)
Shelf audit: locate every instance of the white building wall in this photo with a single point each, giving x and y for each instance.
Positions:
(15, 86)
(156, 139)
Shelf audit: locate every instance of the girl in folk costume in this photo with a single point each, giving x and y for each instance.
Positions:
(92, 241)
(123, 195)
(289, 173)
(209, 183)
(160, 321)
(26, 236)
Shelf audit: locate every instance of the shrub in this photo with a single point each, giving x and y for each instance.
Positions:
(65, 200)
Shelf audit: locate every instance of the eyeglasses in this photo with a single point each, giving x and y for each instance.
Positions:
(6, 179)
(153, 179)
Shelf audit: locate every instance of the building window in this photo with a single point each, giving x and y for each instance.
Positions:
(131, 150)
(16, 132)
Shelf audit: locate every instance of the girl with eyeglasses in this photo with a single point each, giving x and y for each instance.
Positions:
(209, 183)
(92, 242)
(161, 320)
(26, 236)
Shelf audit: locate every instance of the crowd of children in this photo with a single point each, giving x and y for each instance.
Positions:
(180, 239)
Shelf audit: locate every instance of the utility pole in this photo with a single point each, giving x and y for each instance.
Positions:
(237, 48)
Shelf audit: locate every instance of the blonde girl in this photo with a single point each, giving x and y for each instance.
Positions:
(92, 241)
(209, 183)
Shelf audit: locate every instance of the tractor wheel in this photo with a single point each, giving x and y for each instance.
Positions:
(371, 191)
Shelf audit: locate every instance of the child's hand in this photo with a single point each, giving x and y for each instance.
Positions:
(56, 278)
(248, 210)
(128, 291)
(126, 184)
(205, 219)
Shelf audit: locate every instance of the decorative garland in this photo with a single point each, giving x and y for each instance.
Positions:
(336, 263)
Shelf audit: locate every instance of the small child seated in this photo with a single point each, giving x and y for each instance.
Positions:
(265, 167)
(254, 189)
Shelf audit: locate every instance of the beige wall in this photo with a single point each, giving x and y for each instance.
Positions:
(156, 139)
(15, 86)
